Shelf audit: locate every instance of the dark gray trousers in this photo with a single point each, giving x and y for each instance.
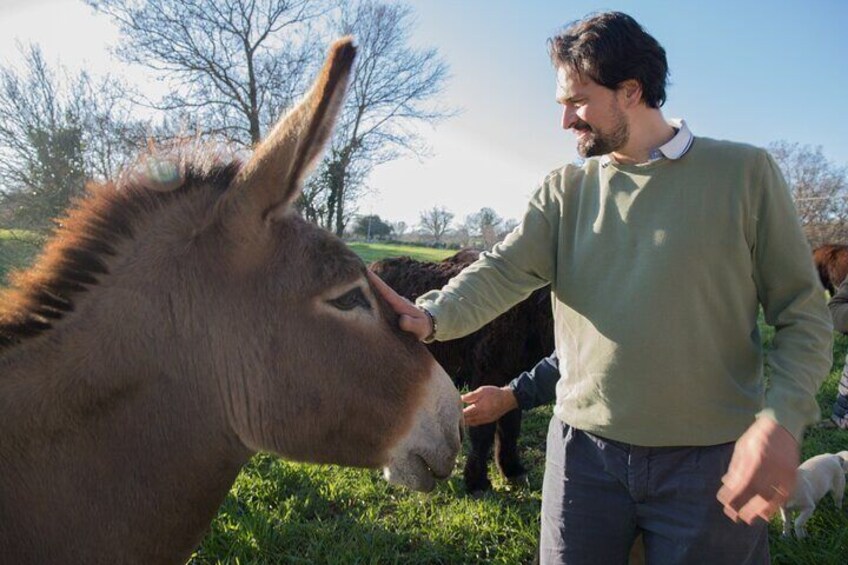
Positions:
(599, 494)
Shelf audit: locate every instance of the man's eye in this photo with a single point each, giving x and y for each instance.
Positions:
(350, 300)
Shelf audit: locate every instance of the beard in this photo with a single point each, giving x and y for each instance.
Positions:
(595, 142)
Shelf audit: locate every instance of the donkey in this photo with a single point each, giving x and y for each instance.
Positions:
(180, 321)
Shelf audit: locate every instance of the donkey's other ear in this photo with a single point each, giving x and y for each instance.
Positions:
(271, 180)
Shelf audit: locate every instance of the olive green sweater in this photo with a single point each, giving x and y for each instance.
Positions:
(657, 274)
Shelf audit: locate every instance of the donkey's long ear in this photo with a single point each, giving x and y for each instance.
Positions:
(271, 180)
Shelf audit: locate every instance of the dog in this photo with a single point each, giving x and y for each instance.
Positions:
(816, 477)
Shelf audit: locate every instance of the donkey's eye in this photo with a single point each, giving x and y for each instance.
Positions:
(350, 300)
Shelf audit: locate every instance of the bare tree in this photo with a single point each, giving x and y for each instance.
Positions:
(436, 222)
(485, 226)
(399, 228)
(112, 134)
(394, 88)
(819, 188)
(506, 227)
(232, 65)
(55, 133)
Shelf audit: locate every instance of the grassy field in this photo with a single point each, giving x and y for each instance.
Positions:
(375, 251)
(281, 512)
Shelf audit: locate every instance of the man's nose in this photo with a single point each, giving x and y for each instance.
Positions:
(568, 116)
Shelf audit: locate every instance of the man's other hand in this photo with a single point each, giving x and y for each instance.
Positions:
(486, 404)
(762, 472)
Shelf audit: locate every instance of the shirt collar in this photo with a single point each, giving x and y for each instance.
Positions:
(674, 148)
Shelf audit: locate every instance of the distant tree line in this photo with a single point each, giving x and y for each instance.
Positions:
(436, 227)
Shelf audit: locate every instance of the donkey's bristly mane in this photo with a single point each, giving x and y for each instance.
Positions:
(75, 255)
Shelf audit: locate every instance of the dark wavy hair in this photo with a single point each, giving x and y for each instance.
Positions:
(612, 47)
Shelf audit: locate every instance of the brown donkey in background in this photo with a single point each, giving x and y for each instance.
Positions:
(217, 323)
(831, 261)
(493, 355)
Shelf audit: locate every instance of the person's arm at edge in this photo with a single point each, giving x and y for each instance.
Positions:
(838, 307)
(537, 386)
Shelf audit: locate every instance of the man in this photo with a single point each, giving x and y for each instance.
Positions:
(838, 306)
(660, 248)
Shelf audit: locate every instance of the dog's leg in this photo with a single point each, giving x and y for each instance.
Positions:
(838, 489)
(801, 522)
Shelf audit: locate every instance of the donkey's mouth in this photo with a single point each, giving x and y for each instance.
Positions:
(429, 450)
(413, 471)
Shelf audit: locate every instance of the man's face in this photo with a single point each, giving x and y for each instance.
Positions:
(593, 112)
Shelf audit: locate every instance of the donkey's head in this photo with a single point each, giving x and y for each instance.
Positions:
(312, 363)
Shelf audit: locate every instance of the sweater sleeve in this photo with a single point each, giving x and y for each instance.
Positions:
(793, 302)
(838, 306)
(538, 385)
(521, 263)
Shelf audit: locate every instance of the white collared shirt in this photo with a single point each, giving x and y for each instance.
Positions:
(674, 148)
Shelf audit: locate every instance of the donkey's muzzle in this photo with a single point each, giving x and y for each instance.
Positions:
(429, 450)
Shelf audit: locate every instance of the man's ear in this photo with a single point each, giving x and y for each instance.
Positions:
(631, 92)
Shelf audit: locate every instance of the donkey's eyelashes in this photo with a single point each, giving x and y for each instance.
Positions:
(354, 298)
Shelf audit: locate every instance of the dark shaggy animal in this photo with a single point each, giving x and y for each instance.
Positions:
(493, 355)
(832, 264)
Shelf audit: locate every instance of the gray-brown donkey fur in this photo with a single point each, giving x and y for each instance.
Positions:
(178, 323)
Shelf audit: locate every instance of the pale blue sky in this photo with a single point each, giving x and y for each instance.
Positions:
(749, 70)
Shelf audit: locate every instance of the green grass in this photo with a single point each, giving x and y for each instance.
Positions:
(376, 251)
(281, 512)
(827, 542)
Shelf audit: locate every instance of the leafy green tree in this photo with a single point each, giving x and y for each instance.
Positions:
(372, 227)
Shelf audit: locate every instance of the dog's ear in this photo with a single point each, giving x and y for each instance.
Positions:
(843, 460)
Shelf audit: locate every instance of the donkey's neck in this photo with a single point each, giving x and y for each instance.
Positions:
(128, 465)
